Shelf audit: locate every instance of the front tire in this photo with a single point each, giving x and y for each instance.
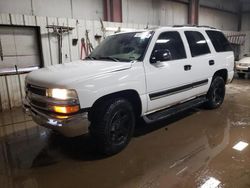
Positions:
(113, 125)
(216, 93)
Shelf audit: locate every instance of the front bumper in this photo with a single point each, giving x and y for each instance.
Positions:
(241, 69)
(71, 126)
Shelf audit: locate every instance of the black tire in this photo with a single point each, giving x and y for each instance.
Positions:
(113, 125)
(241, 75)
(216, 93)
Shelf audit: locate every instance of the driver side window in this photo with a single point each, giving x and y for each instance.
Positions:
(169, 46)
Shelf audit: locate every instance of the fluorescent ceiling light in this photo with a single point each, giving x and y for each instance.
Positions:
(201, 42)
(211, 183)
(162, 41)
(240, 146)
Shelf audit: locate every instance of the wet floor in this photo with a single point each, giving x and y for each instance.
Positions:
(192, 149)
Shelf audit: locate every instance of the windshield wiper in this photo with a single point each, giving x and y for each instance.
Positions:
(108, 57)
(89, 57)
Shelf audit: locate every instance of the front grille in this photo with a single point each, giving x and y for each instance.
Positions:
(38, 104)
(36, 96)
(36, 90)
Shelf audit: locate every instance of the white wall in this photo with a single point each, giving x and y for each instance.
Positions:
(246, 29)
(228, 5)
(84, 9)
(219, 19)
(154, 12)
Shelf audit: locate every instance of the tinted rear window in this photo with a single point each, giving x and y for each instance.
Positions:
(219, 41)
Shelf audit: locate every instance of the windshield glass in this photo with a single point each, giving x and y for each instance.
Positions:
(122, 47)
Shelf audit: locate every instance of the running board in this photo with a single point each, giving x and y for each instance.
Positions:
(165, 113)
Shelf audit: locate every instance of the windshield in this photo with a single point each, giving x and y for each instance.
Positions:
(124, 47)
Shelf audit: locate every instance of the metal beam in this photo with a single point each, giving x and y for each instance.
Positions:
(112, 10)
(193, 12)
(240, 18)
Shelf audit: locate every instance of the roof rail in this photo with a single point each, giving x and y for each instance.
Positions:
(210, 27)
(189, 25)
(185, 25)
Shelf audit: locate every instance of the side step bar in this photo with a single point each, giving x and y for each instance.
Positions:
(165, 113)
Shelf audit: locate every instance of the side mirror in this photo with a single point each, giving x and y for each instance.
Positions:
(160, 55)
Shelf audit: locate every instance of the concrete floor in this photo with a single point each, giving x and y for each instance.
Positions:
(187, 150)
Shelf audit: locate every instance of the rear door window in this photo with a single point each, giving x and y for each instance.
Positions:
(197, 43)
(219, 41)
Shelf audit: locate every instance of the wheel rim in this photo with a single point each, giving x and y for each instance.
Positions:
(120, 127)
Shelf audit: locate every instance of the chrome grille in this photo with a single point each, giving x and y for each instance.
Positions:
(36, 96)
(36, 90)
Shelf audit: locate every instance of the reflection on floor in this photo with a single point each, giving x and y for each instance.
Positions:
(198, 148)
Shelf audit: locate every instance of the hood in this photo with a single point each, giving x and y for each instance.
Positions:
(62, 75)
(245, 60)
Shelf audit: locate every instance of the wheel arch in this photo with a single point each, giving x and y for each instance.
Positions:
(222, 73)
(131, 95)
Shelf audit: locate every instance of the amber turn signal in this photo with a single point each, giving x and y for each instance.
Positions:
(66, 109)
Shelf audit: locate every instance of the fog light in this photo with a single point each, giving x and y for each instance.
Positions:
(66, 109)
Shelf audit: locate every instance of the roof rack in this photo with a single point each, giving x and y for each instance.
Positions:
(185, 25)
(210, 27)
(189, 25)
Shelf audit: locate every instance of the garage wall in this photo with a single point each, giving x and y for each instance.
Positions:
(154, 12)
(246, 29)
(226, 5)
(85, 9)
(219, 19)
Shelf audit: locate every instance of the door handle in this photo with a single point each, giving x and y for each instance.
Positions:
(187, 67)
(211, 62)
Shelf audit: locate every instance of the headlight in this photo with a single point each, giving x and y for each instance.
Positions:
(61, 94)
(243, 64)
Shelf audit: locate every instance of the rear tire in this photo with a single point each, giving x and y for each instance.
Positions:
(216, 93)
(241, 75)
(113, 125)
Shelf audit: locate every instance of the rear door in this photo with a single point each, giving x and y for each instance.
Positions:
(223, 52)
(202, 60)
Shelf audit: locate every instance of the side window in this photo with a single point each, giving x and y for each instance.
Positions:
(170, 43)
(197, 43)
(219, 41)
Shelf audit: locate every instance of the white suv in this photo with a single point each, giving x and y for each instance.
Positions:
(151, 74)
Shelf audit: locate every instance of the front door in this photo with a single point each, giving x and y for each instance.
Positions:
(168, 78)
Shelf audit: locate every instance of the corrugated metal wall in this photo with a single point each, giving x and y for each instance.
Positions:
(219, 19)
(246, 28)
(158, 12)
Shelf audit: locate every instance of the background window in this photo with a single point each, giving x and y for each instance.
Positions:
(172, 42)
(197, 43)
(219, 41)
